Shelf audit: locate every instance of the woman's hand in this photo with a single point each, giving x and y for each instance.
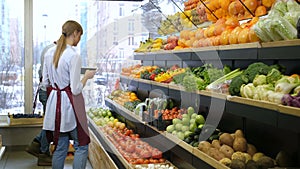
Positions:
(89, 74)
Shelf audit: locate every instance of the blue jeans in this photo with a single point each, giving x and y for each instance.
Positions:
(43, 141)
(42, 136)
(60, 154)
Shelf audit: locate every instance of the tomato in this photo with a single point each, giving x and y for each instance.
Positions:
(130, 148)
(155, 161)
(139, 161)
(161, 160)
(145, 154)
(132, 161)
(156, 154)
(146, 161)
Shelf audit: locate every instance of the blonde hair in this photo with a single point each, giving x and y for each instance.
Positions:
(68, 28)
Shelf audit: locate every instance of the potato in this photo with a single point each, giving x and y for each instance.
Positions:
(265, 162)
(227, 139)
(247, 156)
(239, 133)
(238, 156)
(216, 144)
(251, 149)
(204, 146)
(283, 159)
(237, 164)
(251, 165)
(225, 161)
(240, 144)
(257, 156)
(226, 150)
(215, 153)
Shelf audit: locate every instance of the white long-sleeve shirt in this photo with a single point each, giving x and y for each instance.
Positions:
(67, 73)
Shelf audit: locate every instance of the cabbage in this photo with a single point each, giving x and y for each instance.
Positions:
(281, 7)
(292, 6)
(292, 17)
(270, 30)
(284, 28)
(263, 36)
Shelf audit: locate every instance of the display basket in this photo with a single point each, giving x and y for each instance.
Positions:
(25, 121)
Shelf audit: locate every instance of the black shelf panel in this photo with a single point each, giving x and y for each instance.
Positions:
(279, 53)
(262, 115)
(239, 54)
(144, 56)
(173, 56)
(289, 122)
(206, 55)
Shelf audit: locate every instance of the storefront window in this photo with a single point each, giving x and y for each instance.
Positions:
(11, 56)
(103, 45)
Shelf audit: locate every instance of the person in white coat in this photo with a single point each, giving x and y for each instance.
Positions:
(65, 118)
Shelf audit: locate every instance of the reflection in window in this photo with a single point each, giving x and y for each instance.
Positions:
(11, 57)
(96, 46)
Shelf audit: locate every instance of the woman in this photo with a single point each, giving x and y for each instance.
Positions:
(65, 117)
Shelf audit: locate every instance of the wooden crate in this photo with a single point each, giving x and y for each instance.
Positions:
(24, 121)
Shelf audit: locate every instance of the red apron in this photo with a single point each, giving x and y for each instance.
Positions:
(80, 114)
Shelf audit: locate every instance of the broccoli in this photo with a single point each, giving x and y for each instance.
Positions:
(249, 74)
(236, 83)
(256, 68)
(259, 80)
(273, 76)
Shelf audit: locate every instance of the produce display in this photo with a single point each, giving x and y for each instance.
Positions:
(131, 146)
(170, 25)
(280, 23)
(188, 127)
(101, 116)
(233, 150)
(258, 81)
(233, 22)
(127, 99)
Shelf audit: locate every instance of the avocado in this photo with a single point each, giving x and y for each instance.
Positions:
(187, 140)
(196, 144)
(197, 131)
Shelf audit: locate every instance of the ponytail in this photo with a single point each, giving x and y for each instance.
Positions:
(60, 47)
(68, 28)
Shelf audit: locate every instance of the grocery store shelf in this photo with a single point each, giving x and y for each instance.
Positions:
(168, 142)
(262, 111)
(2, 151)
(255, 50)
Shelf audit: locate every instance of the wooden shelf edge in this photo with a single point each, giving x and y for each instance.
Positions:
(252, 102)
(111, 162)
(294, 111)
(2, 151)
(213, 94)
(294, 42)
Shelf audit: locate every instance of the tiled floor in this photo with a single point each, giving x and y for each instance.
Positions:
(18, 159)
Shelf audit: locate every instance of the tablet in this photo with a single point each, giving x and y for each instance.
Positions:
(83, 69)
